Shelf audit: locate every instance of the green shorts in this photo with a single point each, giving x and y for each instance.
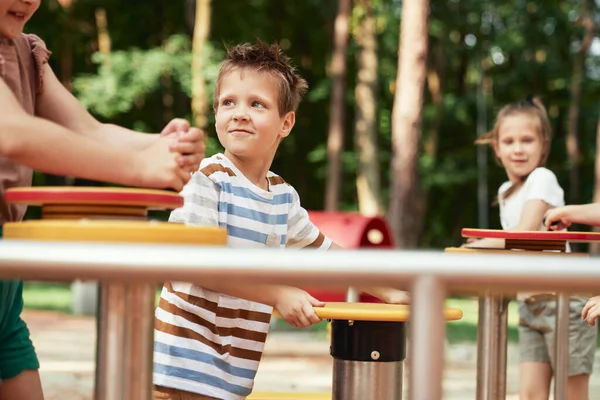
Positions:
(16, 350)
(537, 332)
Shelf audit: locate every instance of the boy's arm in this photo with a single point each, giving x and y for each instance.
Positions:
(57, 104)
(562, 217)
(531, 220)
(294, 305)
(386, 294)
(50, 148)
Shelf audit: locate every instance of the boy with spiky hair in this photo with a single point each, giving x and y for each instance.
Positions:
(209, 338)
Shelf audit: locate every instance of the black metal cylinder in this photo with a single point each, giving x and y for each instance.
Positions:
(368, 341)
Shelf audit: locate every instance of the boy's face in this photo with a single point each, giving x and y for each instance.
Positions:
(247, 118)
(14, 14)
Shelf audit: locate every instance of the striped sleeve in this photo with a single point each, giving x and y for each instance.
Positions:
(301, 232)
(200, 202)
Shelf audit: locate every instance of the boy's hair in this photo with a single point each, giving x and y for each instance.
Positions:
(533, 108)
(267, 58)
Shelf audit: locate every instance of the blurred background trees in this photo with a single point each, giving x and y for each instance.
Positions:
(140, 63)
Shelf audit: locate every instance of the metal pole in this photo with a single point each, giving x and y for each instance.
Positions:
(125, 340)
(428, 328)
(491, 347)
(561, 346)
(367, 359)
(502, 343)
(352, 295)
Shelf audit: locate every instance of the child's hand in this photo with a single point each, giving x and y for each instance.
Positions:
(591, 311)
(555, 219)
(395, 296)
(295, 306)
(157, 167)
(469, 242)
(189, 142)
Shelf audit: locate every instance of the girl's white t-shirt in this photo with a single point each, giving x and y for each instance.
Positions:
(541, 184)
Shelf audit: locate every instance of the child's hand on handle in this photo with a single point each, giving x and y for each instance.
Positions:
(295, 306)
(591, 311)
(188, 142)
(156, 167)
(556, 220)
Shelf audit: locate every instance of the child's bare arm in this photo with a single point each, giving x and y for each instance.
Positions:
(591, 310)
(294, 305)
(57, 104)
(531, 220)
(51, 148)
(386, 294)
(562, 217)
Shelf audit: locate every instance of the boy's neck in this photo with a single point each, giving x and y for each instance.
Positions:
(254, 169)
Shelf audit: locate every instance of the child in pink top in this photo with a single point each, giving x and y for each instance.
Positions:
(44, 127)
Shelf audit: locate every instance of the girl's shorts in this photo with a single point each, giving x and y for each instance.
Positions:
(537, 332)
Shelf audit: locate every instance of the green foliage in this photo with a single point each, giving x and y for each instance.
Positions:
(523, 47)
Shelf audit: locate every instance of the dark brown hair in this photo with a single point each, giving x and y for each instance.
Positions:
(533, 108)
(267, 58)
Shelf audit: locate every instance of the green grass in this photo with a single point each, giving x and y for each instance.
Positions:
(57, 297)
(47, 296)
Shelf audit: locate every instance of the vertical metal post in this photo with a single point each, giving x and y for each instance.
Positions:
(124, 359)
(367, 359)
(428, 328)
(352, 295)
(561, 346)
(491, 347)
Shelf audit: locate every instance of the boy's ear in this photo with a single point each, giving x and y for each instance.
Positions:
(289, 120)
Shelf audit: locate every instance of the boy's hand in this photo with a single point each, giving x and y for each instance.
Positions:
(591, 311)
(189, 143)
(295, 306)
(556, 219)
(157, 167)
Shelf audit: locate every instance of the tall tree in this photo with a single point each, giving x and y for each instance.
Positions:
(368, 182)
(199, 92)
(573, 149)
(406, 121)
(335, 138)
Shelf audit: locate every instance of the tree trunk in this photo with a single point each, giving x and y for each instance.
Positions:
(104, 44)
(335, 139)
(573, 152)
(368, 182)
(595, 247)
(199, 95)
(406, 122)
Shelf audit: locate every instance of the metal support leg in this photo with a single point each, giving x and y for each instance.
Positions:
(428, 331)
(352, 295)
(125, 342)
(561, 361)
(491, 347)
(367, 359)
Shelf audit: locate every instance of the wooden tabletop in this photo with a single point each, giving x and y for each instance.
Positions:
(374, 312)
(115, 231)
(532, 235)
(40, 196)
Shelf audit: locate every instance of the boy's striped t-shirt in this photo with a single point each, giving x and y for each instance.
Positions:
(211, 343)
